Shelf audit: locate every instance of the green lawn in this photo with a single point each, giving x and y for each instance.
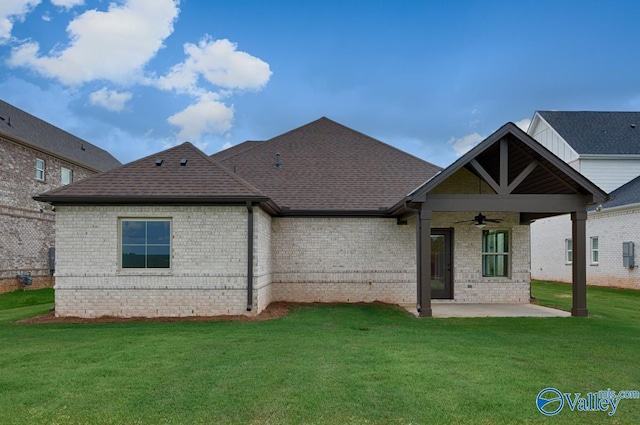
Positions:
(323, 364)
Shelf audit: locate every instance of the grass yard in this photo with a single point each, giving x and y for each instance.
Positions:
(319, 365)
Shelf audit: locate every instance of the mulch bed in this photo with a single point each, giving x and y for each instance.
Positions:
(273, 311)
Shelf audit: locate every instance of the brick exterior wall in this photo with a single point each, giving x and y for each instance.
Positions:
(469, 285)
(262, 257)
(209, 264)
(295, 259)
(343, 260)
(26, 229)
(610, 227)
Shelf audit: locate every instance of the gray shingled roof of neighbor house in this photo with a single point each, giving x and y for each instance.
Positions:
(182, 174)
(626, 194)
(597, 133)
(325, 166)
(23, 127)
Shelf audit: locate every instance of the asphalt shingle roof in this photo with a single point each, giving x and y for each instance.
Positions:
(327, 166)
(23, 126)
(201, 179)
(626, 194)
(597, 133)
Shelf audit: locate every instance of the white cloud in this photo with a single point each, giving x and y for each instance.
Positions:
(523, 124)
(67, 4)
(110, 100)
(219, 63)
(464, 144)
(207, 115)
(12, 11)
(114, 45)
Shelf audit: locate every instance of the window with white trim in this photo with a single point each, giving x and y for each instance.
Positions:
(66, 176)
(145, 243)
(594, 250)
(495, 253)
(40, 169)
(568, 251)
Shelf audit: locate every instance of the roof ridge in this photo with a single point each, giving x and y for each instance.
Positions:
(257, 142)
(225, 170)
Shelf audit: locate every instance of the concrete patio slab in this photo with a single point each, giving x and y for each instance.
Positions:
(443, 310)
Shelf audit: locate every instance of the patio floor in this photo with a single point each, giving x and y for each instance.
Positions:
(493, 310)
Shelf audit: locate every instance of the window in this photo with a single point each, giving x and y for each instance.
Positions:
(594, 250)
(495, 253)
(146, 244)
(40, 169)
(568, 250)
(66, 176)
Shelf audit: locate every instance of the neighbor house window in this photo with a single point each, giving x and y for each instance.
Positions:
(145, 244)
(66, 176)
(495, 253)
(40, 169)
(568, 251)
(594, 250)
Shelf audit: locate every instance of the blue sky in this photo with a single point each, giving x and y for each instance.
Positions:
(428, 77)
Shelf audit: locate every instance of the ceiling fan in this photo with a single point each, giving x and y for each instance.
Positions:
(481, 220)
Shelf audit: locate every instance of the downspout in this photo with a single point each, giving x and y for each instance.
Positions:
(249, 256)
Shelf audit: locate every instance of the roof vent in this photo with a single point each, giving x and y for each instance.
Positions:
(277, 165)
(633, 126)
(159, 162)
(82, 148)
(183, 161)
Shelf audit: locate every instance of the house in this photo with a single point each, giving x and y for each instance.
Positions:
(36, 157)
(604, 147)
(321, 213)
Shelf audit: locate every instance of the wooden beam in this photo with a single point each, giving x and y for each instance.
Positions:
(480, 169)
(504, 167)
(523, 175)
(512, 202)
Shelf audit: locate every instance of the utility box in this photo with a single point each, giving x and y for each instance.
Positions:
(628, 257)
(52, 259)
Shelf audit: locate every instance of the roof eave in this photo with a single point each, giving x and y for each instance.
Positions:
(149, 200)
(383, 212)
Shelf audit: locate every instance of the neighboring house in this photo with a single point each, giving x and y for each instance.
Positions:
(605, 148)
(34, 157)
(321, 213)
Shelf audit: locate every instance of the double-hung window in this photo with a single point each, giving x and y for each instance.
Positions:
(594, 250)
(66, 176)
(568, 251)
(40, 169)
(495, 253)
(145, 243)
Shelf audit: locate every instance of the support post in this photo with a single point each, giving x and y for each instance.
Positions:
(424, 260)
(579, 266)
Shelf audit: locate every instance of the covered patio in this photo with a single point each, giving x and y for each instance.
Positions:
(507, 172)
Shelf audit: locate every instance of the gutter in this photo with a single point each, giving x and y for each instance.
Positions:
(249, 256)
